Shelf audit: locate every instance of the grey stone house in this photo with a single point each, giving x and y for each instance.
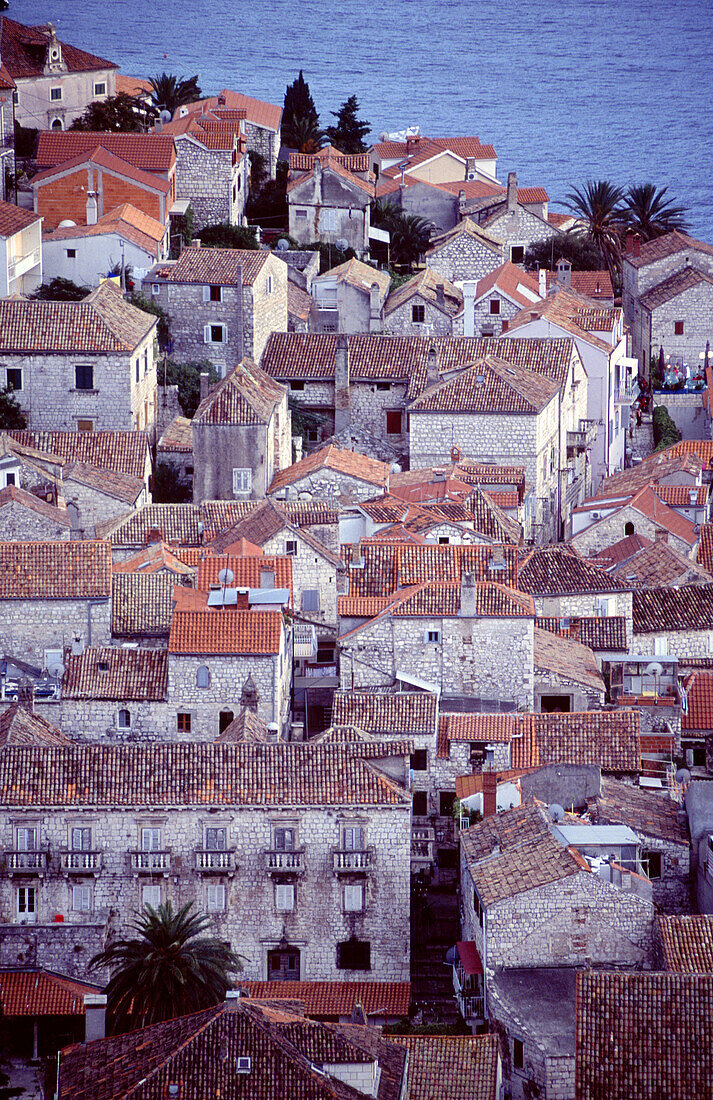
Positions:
(515, 224)
(331, 473)
(25, 517)
(112, 693)
(329, 195)
(349, 298)
(80, 366)
(307, 877)
(425, 304)
(490, 304)
(262, 121)
(212, 166)
(465, 252)
(241, 436)
(223, 302)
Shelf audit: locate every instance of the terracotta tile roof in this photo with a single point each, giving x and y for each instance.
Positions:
(177, 437)
(672, 287)
(19, 726)
(452, 1067)
(425, 285)
(646, 812)
(389, 568)
(568, 310)
(386, 713)
(705, 547)
(699, 692)
(670, 462)
(667, 245)
(101, 324)
(567, 658)
(679, 496)
(463, 147)
(479, 189)
(299, 302)
(660, 565)
(147, 152)
(20, 53)
(247, 727)
(657, 609)
(354, 162)
(606, 632)
(472, 473)
(219, 514)
(192, 773)
(557, 570)
(648, 502)
(66, 570)
(266, 115)
(124, 452)
(226, 266)
(604, 738)
(142, 604)
(440, 600)
(112, 672)
(560, 221)
(488, 386)
(13, 219)
(226, 632)
(262, 523)
(322, 999)
(132, 85)
(359, 275)
(511, 281)
(104, 159)
(42, 993)
(362, 607)
(126, 220)
(246, 571)
(646, 1035)
(13, 494)
(592, 284)
(466, 228)
(6, 81)
(178, 523)
(120, 486)
(490, 728)
(339, 459)
(245, 396)
(622, 551)
(514, 852)
(687, 943)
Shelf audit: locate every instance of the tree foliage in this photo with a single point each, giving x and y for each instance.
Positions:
(119, 113)
(349, 133)
(187, 376)
(546, 253)
(12, 417)
(169, 91)
(181, 232)
(329, 255)
(599, 208)
(665, 431)
(164, 321)
(60, 290)
(649, 213)
(410, 235)
(225, 235)
(300, 121)
(268, 205)
(171, 967)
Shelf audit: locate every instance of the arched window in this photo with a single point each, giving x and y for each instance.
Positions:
(203, 677)
(57, 124)
(124, 719)
(629, 528)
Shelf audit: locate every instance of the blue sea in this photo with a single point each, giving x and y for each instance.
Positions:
(566, 91)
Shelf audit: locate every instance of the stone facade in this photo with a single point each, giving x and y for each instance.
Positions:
(310, 570)
(93, 506)
(674, 643)
(331, 485)
(327, 206)
(219, 449)
(463, 256)
(19, 523)
(400, 321)
(518, 228)
(215, 181)
(98, 720)
(612, 528)
(681, 326)
(577, 605)
(264, 141)
(29, 627)
(264, 307)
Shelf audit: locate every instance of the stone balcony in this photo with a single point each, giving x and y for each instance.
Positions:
(215, 863)
(150, 863)
(26, 863)
(80, 863)
(350, 862)
(290, 863)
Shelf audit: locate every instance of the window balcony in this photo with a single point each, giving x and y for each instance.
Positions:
(348, 862)
(26, 863)
(80, 863)
(150, 863)
(215, 863)
(423, 838)
(290, 863)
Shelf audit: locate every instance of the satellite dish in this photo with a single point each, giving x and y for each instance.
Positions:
(342, 244)
(165, 116)
(383, 136)
(556, 812)
(683, 776)
(67, 223)
(653, 669)
(226, 576)
(283, 245)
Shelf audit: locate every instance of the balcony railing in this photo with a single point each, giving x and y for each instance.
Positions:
(149, 863)
(576, 442)
(26, 863)
(285, 862)
(80, 863)
(215, 863)
(422, 842)
(472, 1006)
(346, 861)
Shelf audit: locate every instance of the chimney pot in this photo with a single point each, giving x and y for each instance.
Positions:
(512, 192)
(205, 384)
(490, 797)
(467, 596)
(94, 1016)
(432, 375)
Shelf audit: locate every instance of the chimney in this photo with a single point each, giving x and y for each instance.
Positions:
(470, 171)
(629, 242)
(440, 296)
(637, 245)
(412, 144)
(77, 645)
(342, 398)
(661, 535)
(26, 694)
(94, 1016)
(374, 308)
(692, 496)
(232, 997)
(205, 384)
(196, 242)
(564, 272)
(221, 101)
(467, 596)
(542, 280)
(461, 198)
(512, 192)
(92, 208)
(469, 290)
(432, 375)
(490, 794)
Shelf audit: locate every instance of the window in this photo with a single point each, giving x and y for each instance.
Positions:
(203, 677)
(13, 378)
(477, 908)
(652, 860)
(313, 435)
(328, 219)
(183, 723)
(393, 422)
(57, 124)
(55, 94)
(85, 425)
(518, 1054)
(383, 387)
(215, 899)
(268, 284)
(678, 328)
(27, 839)
(444, 540)
(353, 838)
(661, 647)
(495, 306)
(354, 898)
(418, 313)
(517, 253)
(138, 367)
(419, 760)
(283, 965)
(216, 839)
(432, 636)
(81, 839)
(242, 480)
(628, 528)
(300, 213)
(212, 294)
(71, 253)
(150, 839)
(215, 334)
(291, 548)
(151, 895)
(26, 904)
(310, 599)
(283, 839)
(81, 899)
(420, 803)
(354, 955)
(100, 88)
(504, 326)
(155, 288)
(84, 376)
(284, 898)
(446, 800)
(297, 386)
(146, 367)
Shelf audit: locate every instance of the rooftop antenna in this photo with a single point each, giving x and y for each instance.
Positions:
(283, 245)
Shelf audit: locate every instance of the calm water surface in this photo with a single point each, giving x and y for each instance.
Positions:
(581, 88)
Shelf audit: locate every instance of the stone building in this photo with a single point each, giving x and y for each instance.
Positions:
(25, 517)
(349, 298)
(20, 247)
(55, 82)
(111, 693)
(600, 522)
(566, 674)
(329, 195)
(142, 608)
(54, 594)
(490, 304)
(7, 131)
(241, 436)
(674, 622)
(223, 302)
(331, 473)
(423, 305)
(434, 160)
(94, 495)
(466, 252)
(300, 854)
(513, 222)
(262, 121)
(81, 366)
(50, 452)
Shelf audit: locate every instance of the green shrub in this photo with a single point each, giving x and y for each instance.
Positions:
(665, 431)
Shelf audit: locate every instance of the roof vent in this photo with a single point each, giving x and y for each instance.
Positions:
(242, 1064)
(103, 666)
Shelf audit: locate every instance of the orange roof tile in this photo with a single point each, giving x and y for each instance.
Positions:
(226, 632)
(41, 993)
(23, 49)
(147, 152)
(68, 570)
(687, 943)
(667, 245)
(227, 266)
(266, 115)
(488, 386)
(246, 570)
(339, 459)
(322, 999)
(13, 219)
(512, 281)
(245, 396)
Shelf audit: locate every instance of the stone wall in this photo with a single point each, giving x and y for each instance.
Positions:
(586, 604)
(190, 314)
(29, 627)
(519, 227)
(463, 257)
(688, 410)
(325, 206)
(218, 449)
(264, 307)
(97, 720)
(679, 643)
(582, 696)
(486, 323)
(216, 187)
(332, 486)
(611, 529)
(250, 919)
(228, 677)
(310, 570)
(266, 142)
(94, 507)
(694, 308)
(399, 322)
(19, 523)
(672, 891)
(637, 280)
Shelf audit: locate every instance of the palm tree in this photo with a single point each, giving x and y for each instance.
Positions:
(410, 235)
(598, 207)
(650, 214)
(170, 968)
(304, 134)
(170, 92)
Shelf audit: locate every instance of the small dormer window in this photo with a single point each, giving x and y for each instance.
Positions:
(103, 666)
